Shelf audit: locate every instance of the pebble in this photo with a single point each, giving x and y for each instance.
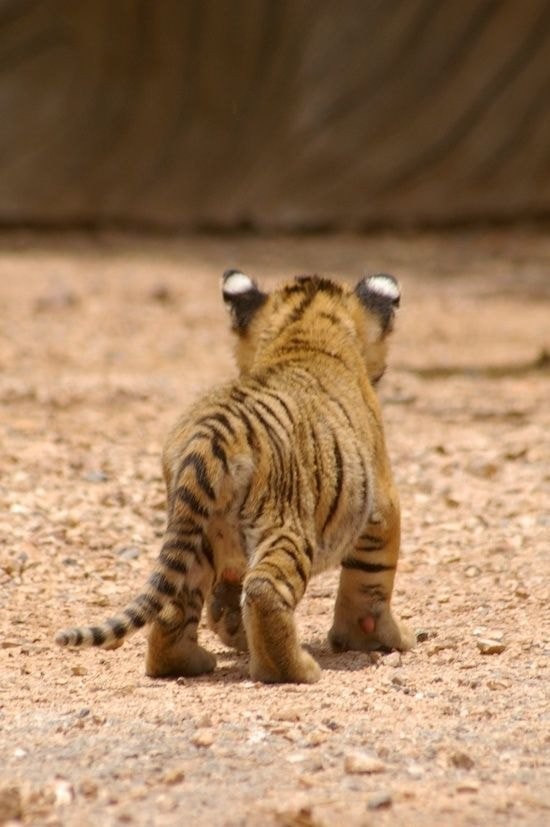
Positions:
(203, 738)
(379, 801)
(11, 807)
(64, 793)
(393, 659)
(360, 763)
(95, 476)
(482, 468)
(174, 776)
(488, 646)
(468, 787)
(462, 760)
(289, 713)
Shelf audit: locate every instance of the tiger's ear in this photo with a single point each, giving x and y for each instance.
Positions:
(242, 297)
(381, 295)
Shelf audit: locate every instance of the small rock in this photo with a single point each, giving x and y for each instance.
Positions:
(19, 752)
(415, 770)
(288, 713)
(468, 787)
(393, 659)
(161, 293)
(78, 670)
(488, 646)
(202, 738)
(128, 553)
(297, 757)
(88, 788)
(95, 476)
(379, 801)
(58, 298)
(361, 763)
(422, 635)
(462, 760)
(174, 776)
(204, 722)
(483, 468)
(316, 738)
(11, 807)
(64, 793)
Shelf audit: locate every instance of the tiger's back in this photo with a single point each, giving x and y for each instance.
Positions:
(272, 478)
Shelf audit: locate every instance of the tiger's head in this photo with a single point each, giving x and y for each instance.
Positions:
(311, 313)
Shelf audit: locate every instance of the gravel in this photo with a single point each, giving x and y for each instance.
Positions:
(103, 342)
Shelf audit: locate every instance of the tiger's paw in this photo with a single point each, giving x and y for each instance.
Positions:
(301, 669)
(182, 659)
(370, 632)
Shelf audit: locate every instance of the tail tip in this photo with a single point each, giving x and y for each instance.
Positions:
(62, 638)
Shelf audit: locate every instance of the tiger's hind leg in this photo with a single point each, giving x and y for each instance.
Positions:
(172, 645)
(363, 618)
(224, 610)
(272, 588)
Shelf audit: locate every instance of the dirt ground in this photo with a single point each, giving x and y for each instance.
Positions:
(103, 342)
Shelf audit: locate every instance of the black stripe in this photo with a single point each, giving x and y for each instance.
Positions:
(220, 454)
(260, 507)
(218, 417)
(207, 551)
(361, 565)
(295, 485)
(173, 563)
(98, 635)
(258, 578)
(299, 568)
(117, 628)
(271, 412)
(163, 586)
(317, 465)
(78, 637)
(136, 618)
(151, 604)
(277, 448)
(251, 436)
(277, 398)
(330, 316)
(338, 484)
(280, 576)
(308, 548)
(186, 496)
(199, 465)
(299, 311)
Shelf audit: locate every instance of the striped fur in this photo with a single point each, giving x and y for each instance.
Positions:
(273, 478)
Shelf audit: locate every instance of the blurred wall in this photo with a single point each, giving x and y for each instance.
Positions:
(273, 113)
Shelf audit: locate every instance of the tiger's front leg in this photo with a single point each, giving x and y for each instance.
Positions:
(363, 619)
(272, 589)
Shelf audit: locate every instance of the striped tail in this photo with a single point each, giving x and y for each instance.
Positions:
(183, 557)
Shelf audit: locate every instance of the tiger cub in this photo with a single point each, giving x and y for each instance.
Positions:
(272, 478)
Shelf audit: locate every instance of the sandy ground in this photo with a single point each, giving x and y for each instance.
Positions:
(102, 343)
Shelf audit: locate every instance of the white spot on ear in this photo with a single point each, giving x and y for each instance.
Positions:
(237, 283)
(384, 286)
